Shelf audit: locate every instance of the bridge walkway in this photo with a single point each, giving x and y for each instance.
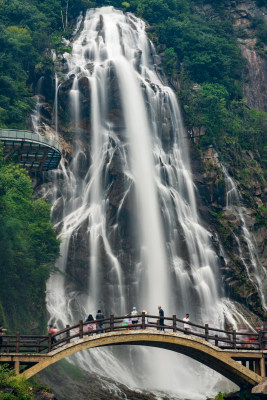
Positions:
(238, 356)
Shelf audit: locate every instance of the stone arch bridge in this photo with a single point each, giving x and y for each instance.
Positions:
(239, 357)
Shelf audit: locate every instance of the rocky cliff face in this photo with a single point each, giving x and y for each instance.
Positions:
(254, 81)
(227, 226)
(255, 84)
(236, 259)
(209, 177)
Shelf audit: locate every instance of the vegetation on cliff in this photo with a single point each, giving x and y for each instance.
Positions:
(28, 248)
(28, 29)
(201, 49)
(14, 387)
(198, 45)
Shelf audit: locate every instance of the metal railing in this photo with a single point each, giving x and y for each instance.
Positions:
(224, 339)
(29, 135)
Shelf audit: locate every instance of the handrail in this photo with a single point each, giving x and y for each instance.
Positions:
(29, 135)
(45, 343)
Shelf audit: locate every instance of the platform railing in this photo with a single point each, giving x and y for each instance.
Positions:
(224, 339)
(29, 135)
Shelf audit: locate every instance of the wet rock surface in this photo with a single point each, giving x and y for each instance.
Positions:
(226, 225)
(207, 175)
(80, 385)
(254, 78)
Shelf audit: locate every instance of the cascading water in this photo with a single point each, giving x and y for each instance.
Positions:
(35, 117)
(254, 270)
(125, 207)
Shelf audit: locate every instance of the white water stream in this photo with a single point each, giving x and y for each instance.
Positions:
(254, 269)
(130, 237)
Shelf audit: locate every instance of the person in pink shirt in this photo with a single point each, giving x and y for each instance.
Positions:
(52, 329)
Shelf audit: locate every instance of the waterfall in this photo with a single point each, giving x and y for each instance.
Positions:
(56, 104)
(254, 270)
(35, 116)
(126, 210)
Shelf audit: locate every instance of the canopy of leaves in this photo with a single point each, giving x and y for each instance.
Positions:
(13, 387)
(26, 33)
(28, 245)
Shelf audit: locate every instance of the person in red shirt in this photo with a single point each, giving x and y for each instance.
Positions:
(52, 329)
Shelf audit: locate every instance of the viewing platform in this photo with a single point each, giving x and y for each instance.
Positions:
(34, 152)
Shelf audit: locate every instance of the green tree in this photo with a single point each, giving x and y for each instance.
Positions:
(13, 387)
(28, 246)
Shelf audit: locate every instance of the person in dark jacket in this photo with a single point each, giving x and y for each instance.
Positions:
(161, 318)
(100, 324)
(91, 326)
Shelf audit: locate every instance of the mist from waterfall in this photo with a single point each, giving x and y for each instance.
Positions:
(125, 206)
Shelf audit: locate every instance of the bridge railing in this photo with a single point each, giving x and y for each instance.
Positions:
(225, 339)
(24, 343)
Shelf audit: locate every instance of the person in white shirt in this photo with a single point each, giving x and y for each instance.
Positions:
(186, 326)
(134, 314)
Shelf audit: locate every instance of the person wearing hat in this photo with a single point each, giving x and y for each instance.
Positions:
(134, 314)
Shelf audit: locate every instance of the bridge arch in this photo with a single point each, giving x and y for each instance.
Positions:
(193, 347)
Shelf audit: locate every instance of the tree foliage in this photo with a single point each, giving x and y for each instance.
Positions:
(26, 36)
(13, 387)
(28, 245)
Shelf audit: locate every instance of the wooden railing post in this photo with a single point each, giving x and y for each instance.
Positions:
(67, 334)
(49, 342)
(216, 340)
(234, 338)
(17, 367)
(174, 327)
(262, 366)
(207, 332)
(38, 345)
(7, 345)
(143, 320)
(81, 329)
(111, 322)
(257, 367)
(17, 342)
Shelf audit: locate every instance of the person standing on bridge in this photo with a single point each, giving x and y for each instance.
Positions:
(134, 315)
(91, 326)
(161, 318)
(53, 330)
(186, 326)
(100, 324)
